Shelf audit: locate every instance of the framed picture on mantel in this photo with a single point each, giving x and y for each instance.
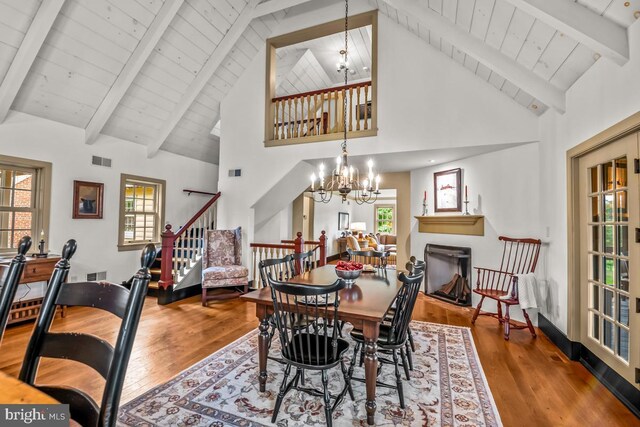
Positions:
(448, 195)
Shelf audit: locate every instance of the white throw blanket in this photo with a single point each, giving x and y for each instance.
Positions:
(527, 285)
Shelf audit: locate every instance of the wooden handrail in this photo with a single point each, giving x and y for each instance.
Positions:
(190, 192)
(271, 246)
(319, 91)
(168, 265)
(196, 216)
(306, 242)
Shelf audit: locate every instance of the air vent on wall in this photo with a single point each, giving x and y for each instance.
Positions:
(100, 161)
(94, 277)
(235, 172)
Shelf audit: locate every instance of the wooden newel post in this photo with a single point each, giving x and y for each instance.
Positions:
(299, 248)
(323, 249)
(166, 275)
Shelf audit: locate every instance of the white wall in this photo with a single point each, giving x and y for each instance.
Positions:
(277, 228)
(26, 136)
(455, 115)
(504, 187)
(325, 217)
(602, 97)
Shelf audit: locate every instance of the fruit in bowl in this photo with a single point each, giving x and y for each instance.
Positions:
(348, 271)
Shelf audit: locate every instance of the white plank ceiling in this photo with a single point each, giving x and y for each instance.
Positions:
(90, 42)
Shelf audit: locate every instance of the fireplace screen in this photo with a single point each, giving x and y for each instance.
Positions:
(447, 274)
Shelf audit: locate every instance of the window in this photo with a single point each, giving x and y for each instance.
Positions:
(385, 218)
(141, 211)
(24, 190)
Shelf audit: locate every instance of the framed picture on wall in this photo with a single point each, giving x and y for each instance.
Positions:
(343, 221)
(87, 200)
(447, 185)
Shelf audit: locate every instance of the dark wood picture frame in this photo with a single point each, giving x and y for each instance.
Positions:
(343, 219)
(447, 178)
(84, 207)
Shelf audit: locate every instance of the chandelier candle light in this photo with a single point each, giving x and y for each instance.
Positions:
(345, 179)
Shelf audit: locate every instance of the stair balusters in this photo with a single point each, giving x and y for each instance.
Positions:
(312, 114)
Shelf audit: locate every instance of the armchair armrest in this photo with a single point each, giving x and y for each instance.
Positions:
(487, 278)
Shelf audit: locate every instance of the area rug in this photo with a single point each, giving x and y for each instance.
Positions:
(447, 388)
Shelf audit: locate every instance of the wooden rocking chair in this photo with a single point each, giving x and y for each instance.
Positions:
(519, 256)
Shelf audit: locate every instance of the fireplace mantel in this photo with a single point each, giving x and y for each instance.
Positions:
(470, 225)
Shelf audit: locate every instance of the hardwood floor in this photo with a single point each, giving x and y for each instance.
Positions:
(533, 383)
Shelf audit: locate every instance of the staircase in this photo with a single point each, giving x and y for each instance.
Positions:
(177, 271)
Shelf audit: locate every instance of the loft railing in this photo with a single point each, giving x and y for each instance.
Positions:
(261, 251)
(318, 115)
(183, 249)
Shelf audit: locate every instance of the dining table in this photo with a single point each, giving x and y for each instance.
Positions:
(14, 391)
(364, 304)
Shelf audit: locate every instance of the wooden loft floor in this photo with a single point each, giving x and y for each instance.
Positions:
(533, 383)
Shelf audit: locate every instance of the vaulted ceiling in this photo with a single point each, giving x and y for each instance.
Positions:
(154, 72)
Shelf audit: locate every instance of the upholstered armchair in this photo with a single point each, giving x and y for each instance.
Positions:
(222, 265)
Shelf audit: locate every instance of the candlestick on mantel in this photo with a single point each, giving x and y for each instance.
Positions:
(424, 204)
(466, 201)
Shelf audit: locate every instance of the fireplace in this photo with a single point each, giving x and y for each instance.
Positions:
(448, 273)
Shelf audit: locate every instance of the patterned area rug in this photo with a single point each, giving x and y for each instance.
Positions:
(447, 388)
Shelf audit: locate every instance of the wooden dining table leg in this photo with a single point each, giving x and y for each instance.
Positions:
(263, 346)
(371, 330)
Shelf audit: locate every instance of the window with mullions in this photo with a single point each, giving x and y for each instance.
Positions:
(385, 219)
(18, 210)
(25, 194)
(141, 211)
(609, 257)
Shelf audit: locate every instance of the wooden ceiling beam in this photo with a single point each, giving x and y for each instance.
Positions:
(206, 73)
(27, 53)
(273, 6)
(511, 70)
(131, 69)
(585, 26)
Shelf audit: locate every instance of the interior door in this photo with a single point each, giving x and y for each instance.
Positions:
(609, 255)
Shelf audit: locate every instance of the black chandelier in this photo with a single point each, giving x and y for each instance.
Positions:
(345, 179)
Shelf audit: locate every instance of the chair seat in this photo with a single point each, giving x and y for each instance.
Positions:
(225, 272)
(306, 348)
(384, 339)
(497, 295)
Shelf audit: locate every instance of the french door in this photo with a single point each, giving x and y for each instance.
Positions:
(609, 255)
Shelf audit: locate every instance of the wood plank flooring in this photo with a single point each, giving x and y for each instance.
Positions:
(533, 383)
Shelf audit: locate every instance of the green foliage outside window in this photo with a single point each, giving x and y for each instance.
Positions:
(385, 219)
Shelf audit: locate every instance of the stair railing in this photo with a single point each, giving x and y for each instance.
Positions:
(261, 251)
(183, 249)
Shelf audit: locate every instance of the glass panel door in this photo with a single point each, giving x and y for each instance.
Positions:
(609, 256)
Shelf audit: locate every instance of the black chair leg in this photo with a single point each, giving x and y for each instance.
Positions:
(361, 356)
(398, 379)
(283, 389)
(409, 355)
(302, 376)
(413, 345)
(405, 362)
(347, 379)
(327, 402)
